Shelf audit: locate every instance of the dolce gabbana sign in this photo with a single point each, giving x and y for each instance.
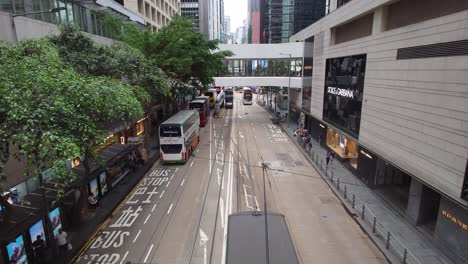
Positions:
(341, 92)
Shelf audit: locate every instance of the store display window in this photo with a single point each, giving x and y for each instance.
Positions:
(343, 146)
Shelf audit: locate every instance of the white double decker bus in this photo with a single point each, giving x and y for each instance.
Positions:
(247, 96)
(179, 136)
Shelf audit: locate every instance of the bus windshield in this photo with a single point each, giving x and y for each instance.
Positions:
(228, 92)
(170, 131)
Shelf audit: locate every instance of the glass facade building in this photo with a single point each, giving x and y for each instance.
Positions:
(283, 18)
(262, 67)
(343, 92)
(88, 20)
(190, 10)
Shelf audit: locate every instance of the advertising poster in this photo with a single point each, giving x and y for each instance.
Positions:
(17, 251)
(93, 188)
(342, 141)
(37, 230)
(103, 183)
(54, 217)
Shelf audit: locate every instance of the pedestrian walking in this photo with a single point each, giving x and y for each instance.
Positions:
(62, 242)
(93, 202)
(327, 157)
(39, 248)
(332, 158)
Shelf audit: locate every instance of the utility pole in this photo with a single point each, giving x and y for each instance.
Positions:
(289, 85)
(265, 210)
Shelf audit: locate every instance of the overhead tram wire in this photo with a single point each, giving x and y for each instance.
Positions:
(205, 198)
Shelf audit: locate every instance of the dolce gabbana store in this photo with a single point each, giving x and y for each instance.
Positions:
(343, 93)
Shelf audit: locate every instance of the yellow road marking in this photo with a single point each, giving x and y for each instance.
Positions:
(105, 223)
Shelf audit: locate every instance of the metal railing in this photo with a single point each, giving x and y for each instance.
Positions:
(361, 210)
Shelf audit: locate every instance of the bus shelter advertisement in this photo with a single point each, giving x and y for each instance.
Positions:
(54, 217)
(37, 230)
(17, 251)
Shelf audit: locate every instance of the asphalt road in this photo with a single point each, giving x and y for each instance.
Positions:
(179, 213)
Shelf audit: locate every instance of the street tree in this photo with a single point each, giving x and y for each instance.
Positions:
(52, 113)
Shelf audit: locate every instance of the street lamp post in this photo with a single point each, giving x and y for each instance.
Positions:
(12, 18)
(289, 84)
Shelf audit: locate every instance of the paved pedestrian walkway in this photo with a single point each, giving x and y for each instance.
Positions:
(81, 233)
(399, 240)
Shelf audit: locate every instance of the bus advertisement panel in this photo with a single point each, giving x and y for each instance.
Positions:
(247, 96)
(179, 135)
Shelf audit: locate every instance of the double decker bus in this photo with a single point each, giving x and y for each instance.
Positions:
(211, 93)
(201, 104)
(178, 136)
(229, 98)
(247, 96)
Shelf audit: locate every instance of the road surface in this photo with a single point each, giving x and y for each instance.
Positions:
(179, 213)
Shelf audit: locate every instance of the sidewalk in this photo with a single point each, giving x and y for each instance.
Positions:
(398, 239)
(80, 234)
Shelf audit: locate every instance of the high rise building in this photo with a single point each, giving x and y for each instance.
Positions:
(226, 28)
(191, 9)
(256, 20)
(157, 13)
(206, 16)
(283, 18)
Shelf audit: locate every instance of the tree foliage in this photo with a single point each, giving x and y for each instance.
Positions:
(118, 61)
(184, 55)
(50, 111)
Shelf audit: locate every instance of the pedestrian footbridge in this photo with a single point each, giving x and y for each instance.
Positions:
(282, 64)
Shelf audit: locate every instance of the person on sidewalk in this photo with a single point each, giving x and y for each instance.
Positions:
(62, 242)
(295, 132)
(93, 202)
(327, 157)
(39, 249)
(332, 158)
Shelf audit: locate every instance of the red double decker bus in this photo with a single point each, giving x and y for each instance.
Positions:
(201, 103)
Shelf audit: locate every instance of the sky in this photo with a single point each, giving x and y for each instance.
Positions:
(237, 10)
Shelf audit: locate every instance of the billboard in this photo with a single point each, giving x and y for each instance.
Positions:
(37, 230)
(16, 251)
(103, 183)
(93, 188)
(54, 217)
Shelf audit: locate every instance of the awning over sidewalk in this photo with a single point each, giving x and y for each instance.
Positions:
(109, 155)
(22, 216)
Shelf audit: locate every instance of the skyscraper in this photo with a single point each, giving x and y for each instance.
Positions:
(283, 18)
(206, 16)
(156, 13)
(226, 28)
(256, 20)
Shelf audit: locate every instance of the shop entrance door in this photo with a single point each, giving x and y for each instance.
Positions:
(392, 183)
